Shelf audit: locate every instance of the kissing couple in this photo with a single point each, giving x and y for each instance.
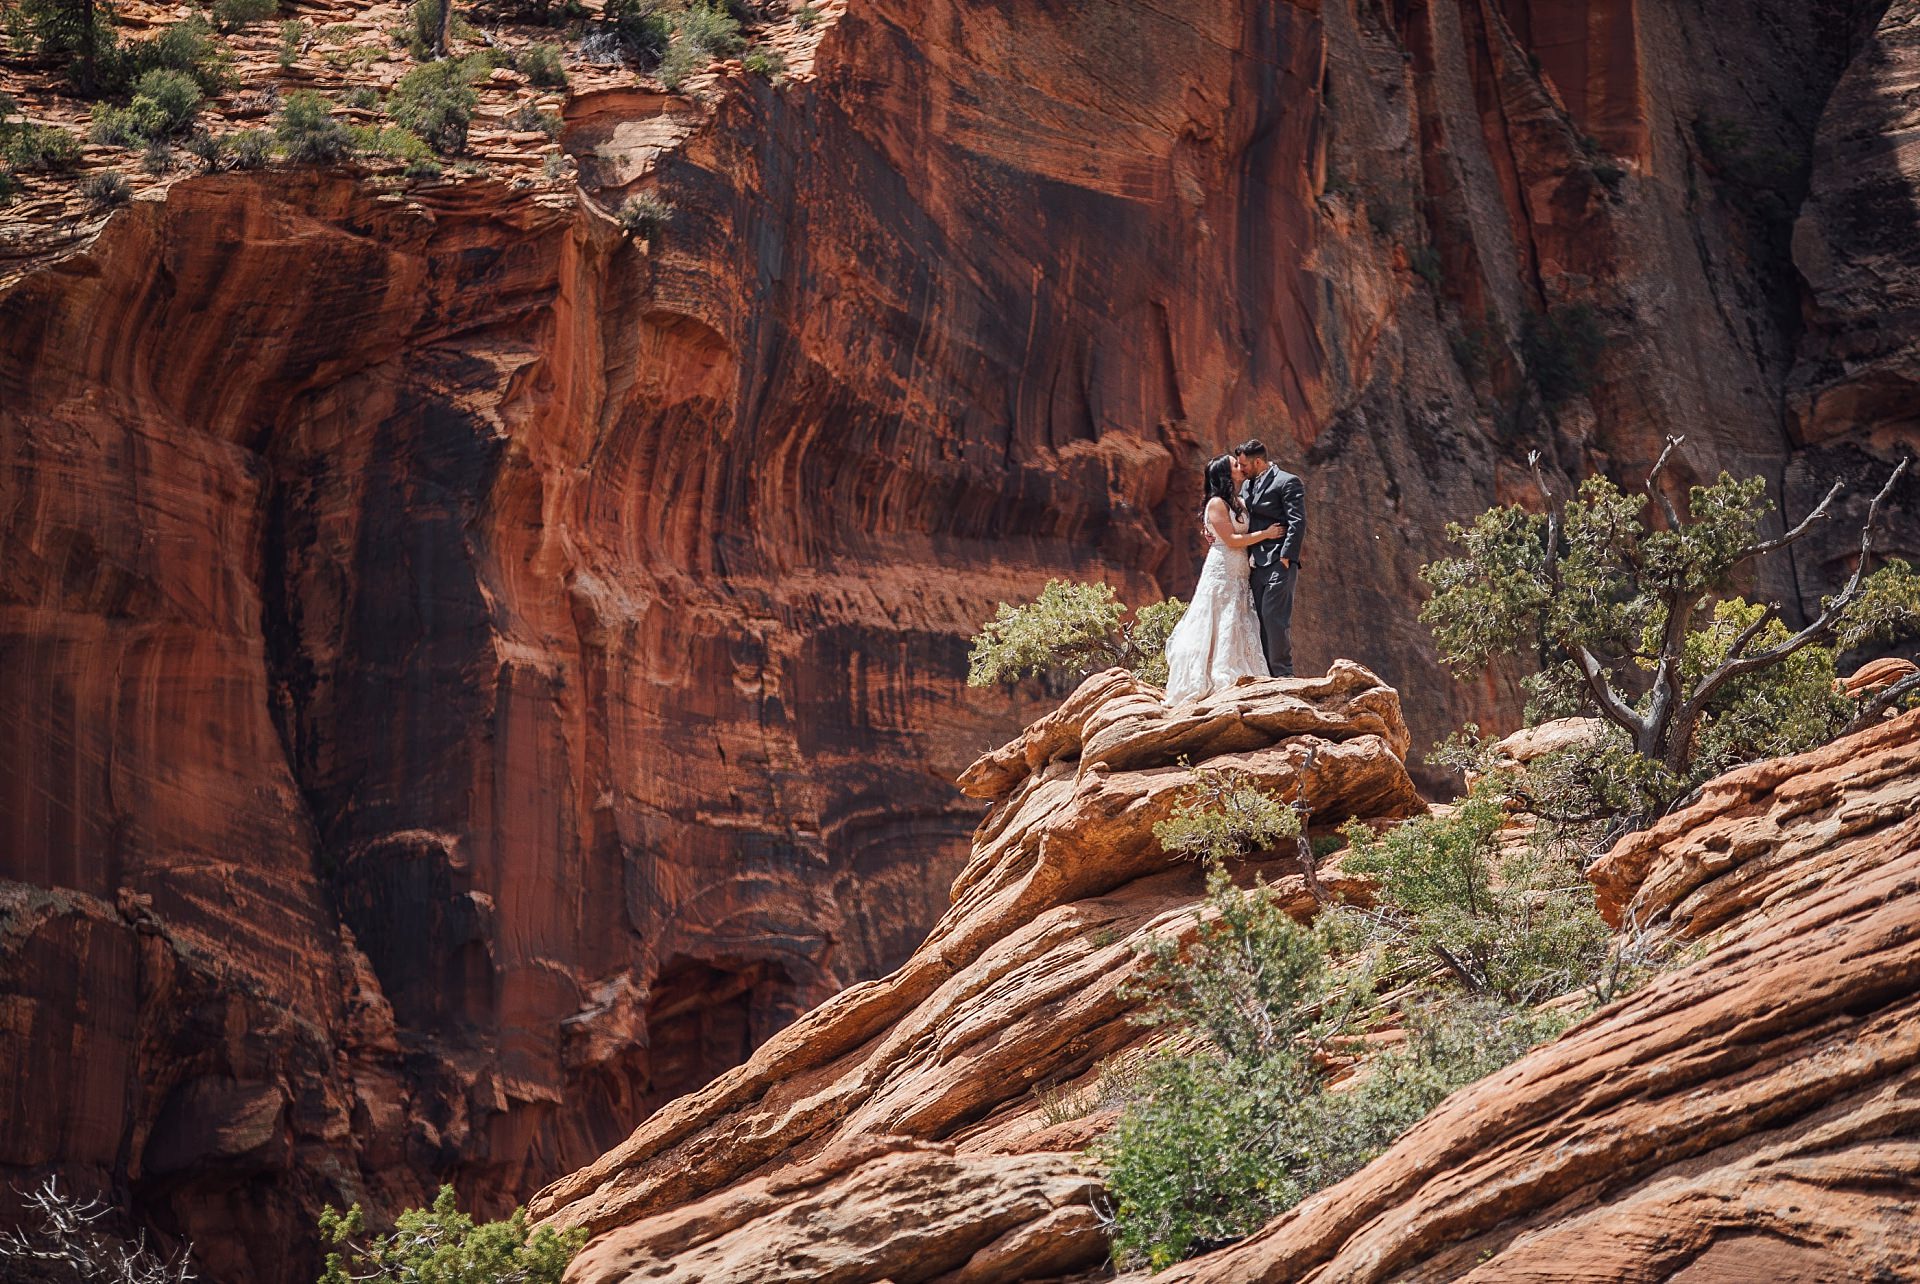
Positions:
(1239, 624)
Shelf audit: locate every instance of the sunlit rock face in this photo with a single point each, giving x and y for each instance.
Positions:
(502, 670)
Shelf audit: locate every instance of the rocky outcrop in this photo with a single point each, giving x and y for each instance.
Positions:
(938, 1088)
(577, 620)
(1746, 1116)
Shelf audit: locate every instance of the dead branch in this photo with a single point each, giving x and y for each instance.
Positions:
(1653, 487)
(1819, 514)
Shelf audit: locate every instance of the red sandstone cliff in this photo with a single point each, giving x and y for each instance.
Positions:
(471, 676)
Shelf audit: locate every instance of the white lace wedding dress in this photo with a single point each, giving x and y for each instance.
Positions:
(1217, 641)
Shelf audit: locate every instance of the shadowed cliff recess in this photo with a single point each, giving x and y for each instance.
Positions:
(476, 664)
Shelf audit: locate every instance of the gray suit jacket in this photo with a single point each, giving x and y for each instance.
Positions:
(1276, 498)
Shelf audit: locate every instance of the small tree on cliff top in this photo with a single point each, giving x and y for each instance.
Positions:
(1070, 631)
(442, 1245)
(1641, 625)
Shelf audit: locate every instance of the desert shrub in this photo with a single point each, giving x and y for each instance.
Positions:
(1518, 924)
(1561, 350)
(1145, 638)
(526, 118)
(10, 187)
(1223, 815)
(165, 102)
(541, 65)
(443, 1245)
(389, 141)
(809, 15)
(700, 34)
(63, 1240)
(1069, 631)
(307, 131)
(293, 40)
(208, 149)
(105, 189)
(250, 148)
(26, 146)
(644, 215)
(157, 157)
(637, 29)
(232, 15)
(764, 60)
(436, 102)
(363, 98)
(188, 47)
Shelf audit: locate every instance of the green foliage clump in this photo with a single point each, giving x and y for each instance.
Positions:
(105, 189)
(442, 1245)
(541, 65)
(436, 102)
(187, 47)
(1641, 624)
(1217, 1139)
(526, 118)
(1561, 350)
(1519, 925)
(700, 34)
(307, 131)
(250, 148)
(1069, 631)
(1223, 815)
(389, 141)
(165, 103)
(26, 146)
(642, 27)
(765, 60)
(232, 15)
(76, 34)
(645, 215)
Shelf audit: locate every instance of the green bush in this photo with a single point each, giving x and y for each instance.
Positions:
(105, 189)
(526, 118)
(699, 35)
(165, 102)
(188, 47)
(1223, 815)
(1069, 631)
(26, 146)
(644, 215)
(442, 1245)
(541, 65)
(389, 141)
(250, 148)
(232, 15)
(307, 131)
(764, 60)
(293, 39)
(1216, 1140)
(1518, 924)
(436, 102)
(642, 27)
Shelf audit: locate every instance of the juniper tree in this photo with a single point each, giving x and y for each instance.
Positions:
(1642, 624)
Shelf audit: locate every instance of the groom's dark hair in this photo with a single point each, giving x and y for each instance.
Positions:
(1252, 447)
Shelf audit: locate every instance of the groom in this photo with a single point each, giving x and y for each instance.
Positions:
(1273, 498)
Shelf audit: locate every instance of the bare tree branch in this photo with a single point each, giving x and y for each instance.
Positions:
(1819, 514)
(1653, 483)
(1825, 626)
(1459, 969)
(1874, 708)
(1752, 631)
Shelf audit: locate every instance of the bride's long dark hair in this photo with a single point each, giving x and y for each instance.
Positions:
(1220, 482)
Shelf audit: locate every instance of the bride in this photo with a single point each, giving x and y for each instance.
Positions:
(1217, 641)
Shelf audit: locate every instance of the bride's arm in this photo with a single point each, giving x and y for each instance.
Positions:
(1220, 522)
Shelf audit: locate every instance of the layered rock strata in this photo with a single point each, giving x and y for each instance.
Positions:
(910, 1117)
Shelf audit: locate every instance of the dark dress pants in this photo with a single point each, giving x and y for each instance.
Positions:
(1273, 603)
